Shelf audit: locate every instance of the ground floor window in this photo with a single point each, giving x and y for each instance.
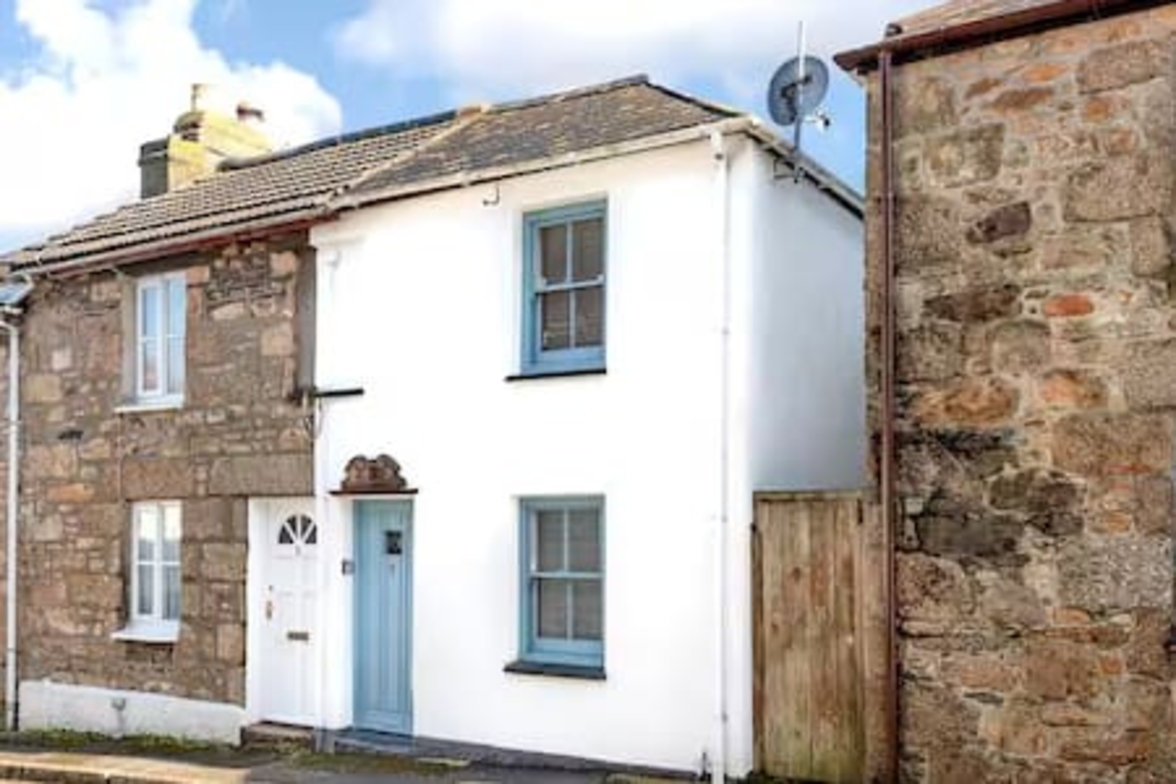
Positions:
(562, 597)
(155, 571)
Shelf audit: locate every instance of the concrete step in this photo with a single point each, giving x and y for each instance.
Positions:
(284, 737)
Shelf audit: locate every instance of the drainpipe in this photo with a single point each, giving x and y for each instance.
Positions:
(10, 701)
(887, 457)
(722, 174)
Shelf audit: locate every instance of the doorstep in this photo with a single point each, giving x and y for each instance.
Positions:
(456, 754)
(60, 766)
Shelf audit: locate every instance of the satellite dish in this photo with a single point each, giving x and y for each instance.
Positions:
(797, 89)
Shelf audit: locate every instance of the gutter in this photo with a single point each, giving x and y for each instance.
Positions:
(942, 40)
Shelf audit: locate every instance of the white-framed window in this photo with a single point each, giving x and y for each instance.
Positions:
(160, 304)
(155, 572)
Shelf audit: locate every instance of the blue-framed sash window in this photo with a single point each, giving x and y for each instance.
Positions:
(563, 581)
(564, 288)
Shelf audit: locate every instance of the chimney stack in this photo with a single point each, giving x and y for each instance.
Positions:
(201, 138)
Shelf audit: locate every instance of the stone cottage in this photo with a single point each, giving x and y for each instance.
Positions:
(1034, 382)
(156, 365)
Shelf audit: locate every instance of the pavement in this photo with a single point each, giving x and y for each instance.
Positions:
(82, 767)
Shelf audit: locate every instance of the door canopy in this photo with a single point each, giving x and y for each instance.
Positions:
(373, 476)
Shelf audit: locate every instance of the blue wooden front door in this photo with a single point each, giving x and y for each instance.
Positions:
(383, 621)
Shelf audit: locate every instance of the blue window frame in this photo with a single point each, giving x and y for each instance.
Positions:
(564, 289)
(562, 585)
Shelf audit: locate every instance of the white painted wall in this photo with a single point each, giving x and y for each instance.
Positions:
(807, 369)
(418, 304)
(49, 705)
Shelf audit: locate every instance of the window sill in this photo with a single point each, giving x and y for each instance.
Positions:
(150, 404)
(578, 671)
(555, 373)
(157, 633)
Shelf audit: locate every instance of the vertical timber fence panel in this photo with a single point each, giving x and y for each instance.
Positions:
(819, 637)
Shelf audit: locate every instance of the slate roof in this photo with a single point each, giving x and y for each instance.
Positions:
(961, 12)
(961, 24)
(307, 183)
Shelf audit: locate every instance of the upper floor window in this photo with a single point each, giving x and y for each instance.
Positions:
(564, 289)
(160, 304)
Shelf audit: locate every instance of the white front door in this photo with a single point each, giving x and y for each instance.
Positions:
(288, 680)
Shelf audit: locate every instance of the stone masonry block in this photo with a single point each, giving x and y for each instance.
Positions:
(975, 305)
(1095, 445)
(157, 478)
(1122, 65)
(928, 232)
(1149, 380)
(1119, 188)
(262, 475)
(965, 157)
(924, 106)
(971, 402)
(1151, 248)
(1107, 574)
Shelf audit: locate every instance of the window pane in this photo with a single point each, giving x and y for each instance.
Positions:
(590, 316)
(171, 593)
(554, 320)
(171, 534)
(587, 617)
(587, 249)
(149, 365)
(553, 608)
(146, 603)
(176, 302)
(553, 254)
(175, 365)
(584, 540)
(550, 545)
(146, 531)
(149, 311)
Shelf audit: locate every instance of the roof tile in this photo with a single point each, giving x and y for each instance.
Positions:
(961, 12)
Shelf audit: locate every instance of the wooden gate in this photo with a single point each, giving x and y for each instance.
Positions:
(819, 607)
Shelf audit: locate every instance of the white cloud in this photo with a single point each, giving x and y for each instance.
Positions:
(519, 46)
(103, 83)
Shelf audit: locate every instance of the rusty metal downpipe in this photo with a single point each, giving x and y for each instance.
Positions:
(887, 456)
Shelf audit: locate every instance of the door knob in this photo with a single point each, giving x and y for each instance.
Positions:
(269, 609)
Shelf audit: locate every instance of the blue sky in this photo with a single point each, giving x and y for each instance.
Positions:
(84, 82)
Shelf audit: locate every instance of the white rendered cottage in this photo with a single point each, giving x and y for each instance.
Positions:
(584, 362)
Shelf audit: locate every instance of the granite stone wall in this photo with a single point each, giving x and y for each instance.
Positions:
(1036, 402)
(239, 433)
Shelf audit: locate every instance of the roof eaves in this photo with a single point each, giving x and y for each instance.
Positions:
(466, 178)
(948, 38)
(171, 246)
